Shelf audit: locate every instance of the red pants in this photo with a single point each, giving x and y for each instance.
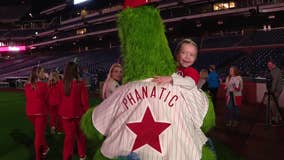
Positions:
(39, 123)
(73, 132)
(55, 119)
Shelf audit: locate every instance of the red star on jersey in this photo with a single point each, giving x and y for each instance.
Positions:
(148, 131)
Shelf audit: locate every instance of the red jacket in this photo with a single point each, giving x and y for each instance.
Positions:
(36, 99)
(77, 103)
(53, 95)
(189, 72)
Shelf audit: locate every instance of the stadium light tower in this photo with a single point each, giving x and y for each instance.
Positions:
(79, 1)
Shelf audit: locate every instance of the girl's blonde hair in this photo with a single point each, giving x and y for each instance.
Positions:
(54, 77)
(107, 81)
(34, 76)
(184, 41)
(236, 72)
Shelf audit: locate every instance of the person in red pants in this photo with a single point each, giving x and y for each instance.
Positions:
(74, 103)
(36, 109)
(55, 121)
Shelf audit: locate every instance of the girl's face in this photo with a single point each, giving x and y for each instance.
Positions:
(53, 76)
(187, 55)
(41, 74)
(116, 73)
(232, 72)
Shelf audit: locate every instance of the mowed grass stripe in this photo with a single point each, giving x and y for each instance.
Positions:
(14, 123)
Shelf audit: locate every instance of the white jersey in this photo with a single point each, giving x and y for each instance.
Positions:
(111, 87)
(158, 122)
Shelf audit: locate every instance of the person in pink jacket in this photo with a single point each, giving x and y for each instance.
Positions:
(36, 109)
(74, 102)
(53, 101)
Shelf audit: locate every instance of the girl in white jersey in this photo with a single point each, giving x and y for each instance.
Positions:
(234, 87)
(113, 80)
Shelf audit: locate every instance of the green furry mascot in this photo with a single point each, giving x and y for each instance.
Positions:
(145, 54)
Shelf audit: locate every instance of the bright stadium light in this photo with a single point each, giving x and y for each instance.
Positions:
(79, 1)
(12, 48)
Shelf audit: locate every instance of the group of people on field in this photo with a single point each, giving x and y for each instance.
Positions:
(66, 99)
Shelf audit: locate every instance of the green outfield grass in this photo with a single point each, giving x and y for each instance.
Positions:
(16, 133)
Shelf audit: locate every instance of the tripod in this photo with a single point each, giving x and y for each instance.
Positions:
(268, 109)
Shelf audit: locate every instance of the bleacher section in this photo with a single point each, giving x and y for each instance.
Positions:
(260, 37)
(220, 59)
(219, 42)
(255, 64)
(251, 60)
(275, 36)
(97, 62)
(28, 61)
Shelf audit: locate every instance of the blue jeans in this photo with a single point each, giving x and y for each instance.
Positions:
(232, 110)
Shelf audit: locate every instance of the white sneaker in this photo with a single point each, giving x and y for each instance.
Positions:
(52, 130)
(46, 151)
(83, 158)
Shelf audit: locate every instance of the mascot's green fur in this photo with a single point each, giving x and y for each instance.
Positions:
(145, 54)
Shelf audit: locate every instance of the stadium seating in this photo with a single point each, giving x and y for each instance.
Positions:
(223, 41)
(255, 64)
(275, 36)
(97, 62)
(251, 64)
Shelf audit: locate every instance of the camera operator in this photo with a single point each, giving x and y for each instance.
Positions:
(275, 89)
